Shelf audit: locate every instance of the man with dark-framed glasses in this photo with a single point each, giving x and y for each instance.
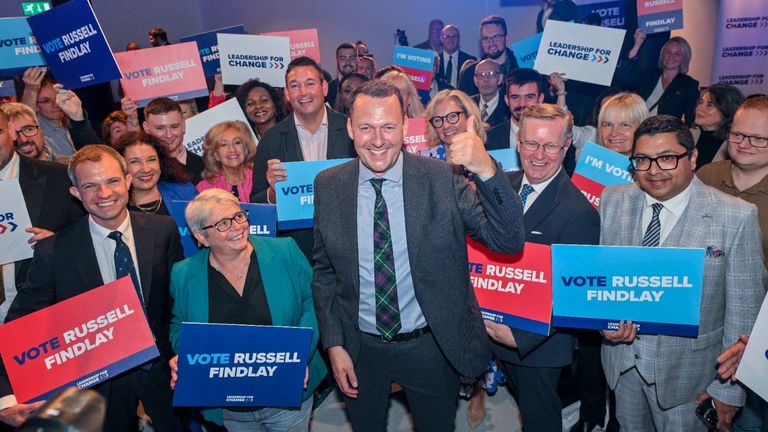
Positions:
(658, 380)
(27, 134)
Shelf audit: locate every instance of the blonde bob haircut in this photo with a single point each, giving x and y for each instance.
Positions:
(401, 81)
(213, 167)
(685, 47)
(466, 103)
(625, 105)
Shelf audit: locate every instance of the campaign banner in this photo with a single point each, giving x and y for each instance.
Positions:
(262, 220)
(81, 341)
(526, 49)
(611, 12)
(514, 290)
(583, 52)
(304, 42)
(508, 158)
(659, 289)
(172, 71)
(208, 47)
(18, 47)
(416, 139)
(244, 57)
(417, 64)
(598, 168)
(231, 365)
(7, 91)
(741, 46)
(14, 219)
(656, 16)
(753, 369)
(296, 195)
(198, 125)
(74, 45)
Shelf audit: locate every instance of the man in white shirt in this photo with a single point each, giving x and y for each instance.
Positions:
(493, 107)
(451, 56)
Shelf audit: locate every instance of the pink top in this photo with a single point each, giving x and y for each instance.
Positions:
(243, 189)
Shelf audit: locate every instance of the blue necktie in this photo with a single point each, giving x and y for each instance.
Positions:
(124, 263)
(653, 232)
(527, 190)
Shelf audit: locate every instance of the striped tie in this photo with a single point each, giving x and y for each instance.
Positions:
(384, 277)
(653, 232)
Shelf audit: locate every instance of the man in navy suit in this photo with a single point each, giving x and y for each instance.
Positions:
(493, 107)
(451, 56)
(554, 212)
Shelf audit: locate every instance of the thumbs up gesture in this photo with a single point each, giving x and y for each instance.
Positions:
(468, 149)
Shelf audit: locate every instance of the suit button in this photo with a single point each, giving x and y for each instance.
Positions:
(637, 357)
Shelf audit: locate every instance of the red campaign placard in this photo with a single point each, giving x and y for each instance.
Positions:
(173, 71)
(416, 138)
(421, 79)
(647, 7)
(515, 290)
(591, 189)
(80, 342)
(304, 42)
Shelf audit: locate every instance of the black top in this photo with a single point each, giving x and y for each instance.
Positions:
(228, 307)
(708, 145)
(195, 167)
(146, 208)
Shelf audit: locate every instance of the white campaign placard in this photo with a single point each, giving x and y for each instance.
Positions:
(14, 219)
(753, 370)
(244, 57)
(584, 52)
(197, 126)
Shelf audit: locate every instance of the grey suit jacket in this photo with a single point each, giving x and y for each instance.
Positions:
(734, 286)
(440, 210)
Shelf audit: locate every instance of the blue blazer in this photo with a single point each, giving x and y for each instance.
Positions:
(176, 191)
(287, 283)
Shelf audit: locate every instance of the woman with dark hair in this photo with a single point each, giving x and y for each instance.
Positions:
(156, 179)
(714, 114)
(347, 86)
(262, 105)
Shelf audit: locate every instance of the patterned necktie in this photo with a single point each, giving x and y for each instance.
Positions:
(653, 232)
(484, 114)
(124, 263)
(384, 278)
(449, 71)
(527, 190)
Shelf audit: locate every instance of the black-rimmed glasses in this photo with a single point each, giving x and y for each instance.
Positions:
(451, 118)
(664, 162)
(754, 140)
(225, 224)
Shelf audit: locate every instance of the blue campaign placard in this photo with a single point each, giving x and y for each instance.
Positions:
(230, 365)
(659, 289)
(508, 158)
(662, 21)
(262, 219)
(603, 165)
(611, 11)
(74, 45)
(296, 196)
(525, 50)
(7, 89)
(208, 45)
(414, 58)
(19, 49)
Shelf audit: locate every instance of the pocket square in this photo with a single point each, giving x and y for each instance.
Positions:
(714, 252)
(537, 232)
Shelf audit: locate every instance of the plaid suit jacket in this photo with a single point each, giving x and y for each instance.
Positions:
(734, 286)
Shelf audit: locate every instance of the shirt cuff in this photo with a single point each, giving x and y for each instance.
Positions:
(7, 401)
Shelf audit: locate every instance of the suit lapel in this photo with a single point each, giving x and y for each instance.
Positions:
(273, 286)
(633, 219)
(414, 204)
(545, 203)
(87, 265)
(346, 196)
(688, 231)
(291, 143)
(337, 136)
(143, 240)
(32, 188)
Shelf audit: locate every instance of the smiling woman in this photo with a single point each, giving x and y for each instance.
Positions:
(228, 154)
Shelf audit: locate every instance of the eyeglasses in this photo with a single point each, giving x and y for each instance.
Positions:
(494, 38)
(445, 36)
(485, 76)
(533, 146)
(46, 101)
(664, 162)
(29, 131)
(225, 224)
(754, 140)
(451, 118)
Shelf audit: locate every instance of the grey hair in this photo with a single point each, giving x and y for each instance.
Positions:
(200, 209)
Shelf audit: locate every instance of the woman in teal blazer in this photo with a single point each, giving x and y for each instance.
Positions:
(215, 219)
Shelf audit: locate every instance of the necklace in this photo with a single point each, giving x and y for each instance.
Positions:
(151, 207)
(238, 273)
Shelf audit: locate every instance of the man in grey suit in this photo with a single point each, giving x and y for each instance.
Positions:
(555, 211)
(391, 282)
(659, 379)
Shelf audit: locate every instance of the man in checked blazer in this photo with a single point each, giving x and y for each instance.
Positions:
(659, 379)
